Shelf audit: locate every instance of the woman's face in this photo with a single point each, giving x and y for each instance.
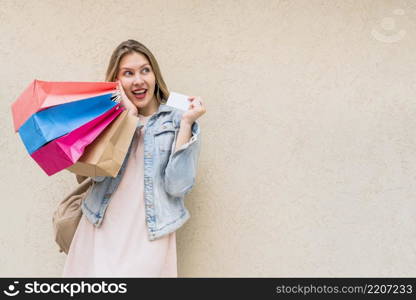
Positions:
(136, 76)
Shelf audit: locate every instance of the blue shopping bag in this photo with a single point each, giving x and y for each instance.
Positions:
(49, 124)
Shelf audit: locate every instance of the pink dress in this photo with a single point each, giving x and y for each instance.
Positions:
(120, 246)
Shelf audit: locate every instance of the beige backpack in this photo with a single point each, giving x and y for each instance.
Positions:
(68, 213)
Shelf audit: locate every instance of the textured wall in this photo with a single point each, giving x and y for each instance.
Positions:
(308, 162)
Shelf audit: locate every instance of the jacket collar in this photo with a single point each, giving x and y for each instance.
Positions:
(164, 108)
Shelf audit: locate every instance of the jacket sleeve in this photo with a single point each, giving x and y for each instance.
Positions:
(182, 166)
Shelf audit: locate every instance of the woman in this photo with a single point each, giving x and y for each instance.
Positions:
(144, 204)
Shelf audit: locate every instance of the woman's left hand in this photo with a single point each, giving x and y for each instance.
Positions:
(196, 109)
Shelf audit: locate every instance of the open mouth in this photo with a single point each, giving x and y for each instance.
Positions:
(140, 94)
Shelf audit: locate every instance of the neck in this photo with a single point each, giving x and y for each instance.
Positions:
(150, 109)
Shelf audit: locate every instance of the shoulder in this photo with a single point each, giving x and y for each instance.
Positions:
(173, 115)
(177, 116)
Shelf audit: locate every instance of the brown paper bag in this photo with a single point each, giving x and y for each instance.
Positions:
(106, 154)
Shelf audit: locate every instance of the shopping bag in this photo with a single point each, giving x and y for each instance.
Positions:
(105, 156)
(66, 150)
(67, 215)
(43, 94)
(49, 124)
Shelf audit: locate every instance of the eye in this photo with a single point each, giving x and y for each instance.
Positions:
(126, 73)
(146, 70)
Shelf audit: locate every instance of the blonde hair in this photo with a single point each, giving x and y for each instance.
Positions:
(130, 46)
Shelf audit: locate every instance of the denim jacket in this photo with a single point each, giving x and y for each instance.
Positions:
(168, 175)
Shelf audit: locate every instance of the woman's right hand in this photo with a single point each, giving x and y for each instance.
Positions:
(125, 101)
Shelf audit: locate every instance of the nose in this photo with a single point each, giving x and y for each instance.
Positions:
(138, 80)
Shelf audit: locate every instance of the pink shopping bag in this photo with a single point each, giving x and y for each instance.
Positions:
(66, 150)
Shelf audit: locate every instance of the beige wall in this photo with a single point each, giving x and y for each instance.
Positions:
(308, 162)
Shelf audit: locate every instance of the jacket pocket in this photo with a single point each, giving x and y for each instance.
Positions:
(164, 137)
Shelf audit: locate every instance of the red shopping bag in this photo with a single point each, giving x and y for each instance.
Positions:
(40, 95)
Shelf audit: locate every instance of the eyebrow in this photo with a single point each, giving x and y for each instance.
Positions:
(133, 68)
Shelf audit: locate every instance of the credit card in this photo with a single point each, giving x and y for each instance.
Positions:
(179, 101)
